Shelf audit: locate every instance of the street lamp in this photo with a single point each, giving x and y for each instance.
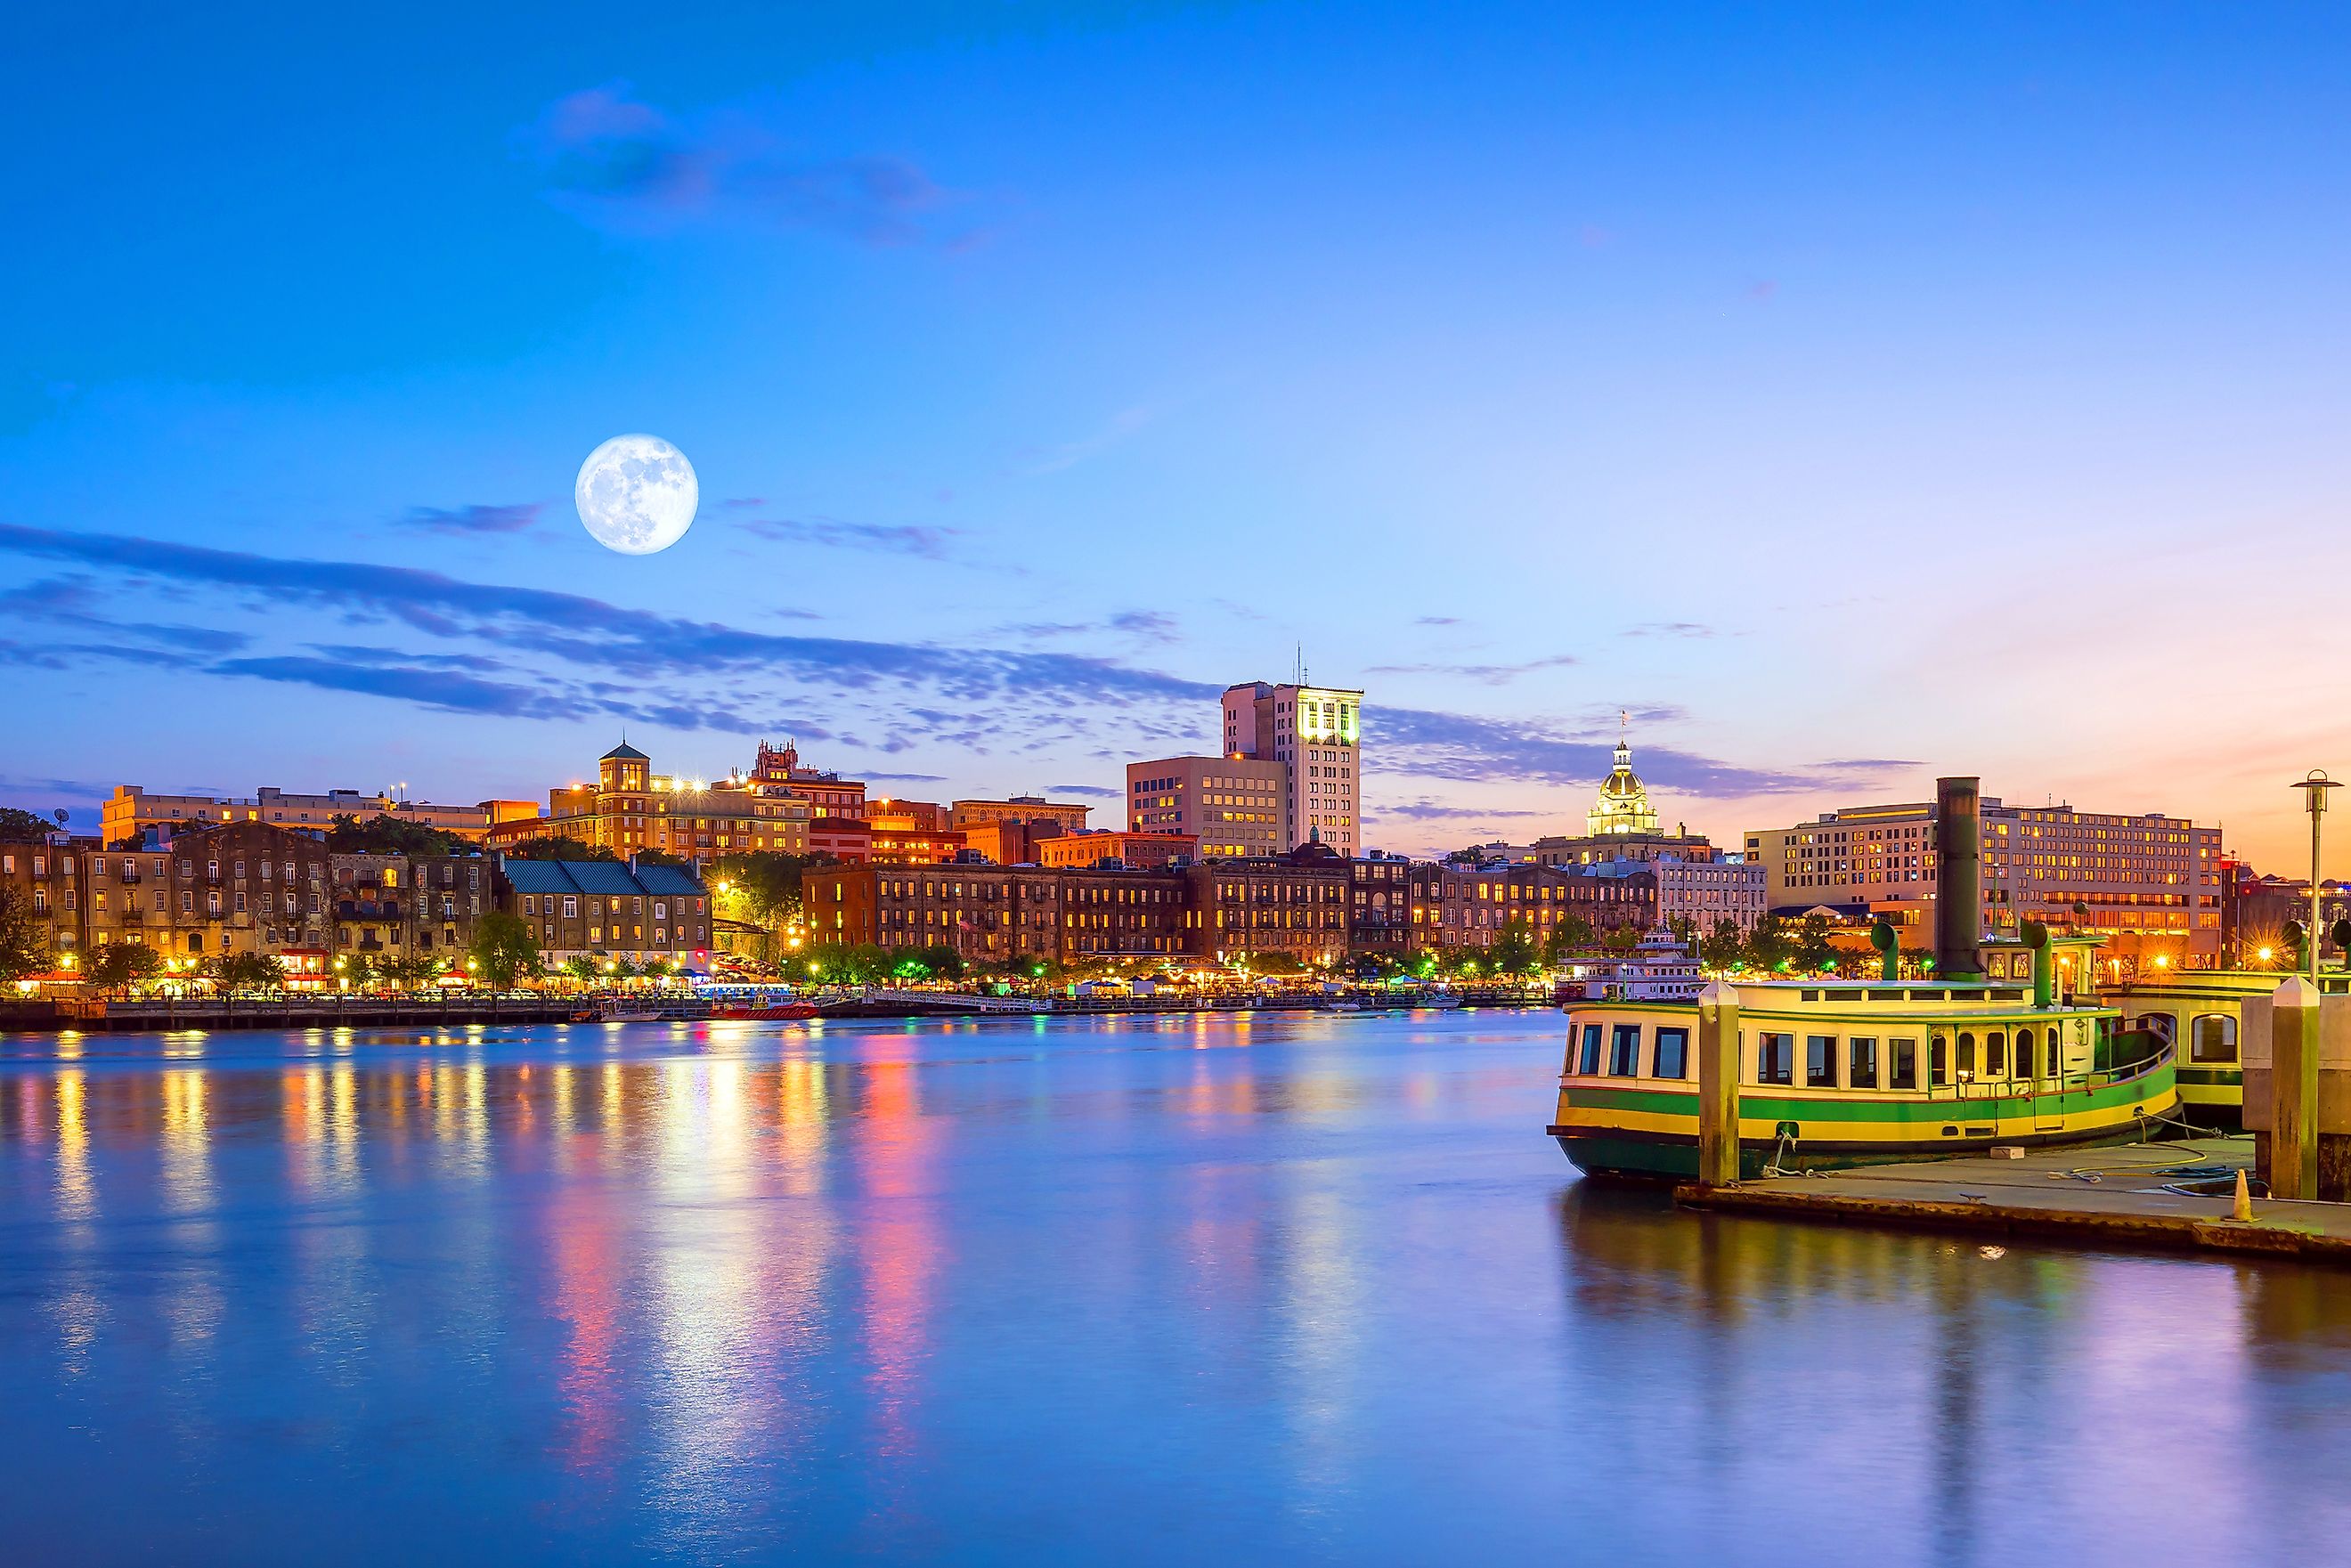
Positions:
(2314, 790)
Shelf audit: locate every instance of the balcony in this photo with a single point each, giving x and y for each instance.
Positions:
(130, 878)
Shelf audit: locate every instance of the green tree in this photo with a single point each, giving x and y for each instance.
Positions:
(385, 835)
(247, 972)
(118, 965)
(1813, 951)
(656, 968)
(761, 888)
(1620, 938)
(1769, 945)
(1274, 962)
(559, 847)
(24, 942)
(18, 826)
(1684, 930)
(1514, 952)
(1571, 938)
(582, 967)
(1723, 947)
(504, 950)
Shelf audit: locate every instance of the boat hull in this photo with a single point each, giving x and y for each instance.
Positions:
(1652, 1133)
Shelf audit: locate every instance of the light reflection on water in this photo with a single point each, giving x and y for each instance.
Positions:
(1260, 1290)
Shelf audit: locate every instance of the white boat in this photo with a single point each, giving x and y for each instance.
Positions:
(1660, 969)
(1439, 1000)
(629, 1015)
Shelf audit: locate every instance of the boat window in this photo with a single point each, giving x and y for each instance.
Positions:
(1588, 1058)
(1861, 1062)
(1820, 1061)
(1902, 1063)
(1967, 1053)
(2213, 1038)
(2163, 1026)
(2024, 1053)
(1775, 1059)
(1673, 1053)
(1625, 1050)
(1938, 1061)
(1995, 1055)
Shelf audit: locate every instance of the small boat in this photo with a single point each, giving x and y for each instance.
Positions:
(1659, 970)
(629, 1015)
(767, 1012)
(1441, 1001)
(1339, 1004)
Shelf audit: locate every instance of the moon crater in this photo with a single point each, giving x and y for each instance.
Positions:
(637, 495)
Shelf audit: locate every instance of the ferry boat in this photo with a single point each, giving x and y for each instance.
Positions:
(1835, 1074)
(2200, 1014)
(1660, 969)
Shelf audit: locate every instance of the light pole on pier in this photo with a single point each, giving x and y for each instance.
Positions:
(2314, 790)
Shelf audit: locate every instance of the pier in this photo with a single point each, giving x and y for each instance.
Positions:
(2169, 1196)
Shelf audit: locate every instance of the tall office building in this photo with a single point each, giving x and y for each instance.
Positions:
(1233, 805)
(1315, 733)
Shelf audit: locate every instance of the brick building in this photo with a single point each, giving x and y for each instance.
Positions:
(605, 910)
(1144, 850)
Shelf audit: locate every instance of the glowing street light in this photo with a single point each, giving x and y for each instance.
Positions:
(2313, 787)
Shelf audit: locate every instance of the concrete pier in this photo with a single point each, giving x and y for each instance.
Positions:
(2114, 1197)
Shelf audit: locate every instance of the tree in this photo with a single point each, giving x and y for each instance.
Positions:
(1572, 936)
(1513, 952)
(1722, 947)
(581, 967)
(761, 888)
(1620, 938)
(386, 835)
(1769, 945)
(1275, 962)
(24, 943)
(559, 847)
(247, 972)
(116, 965)
(1813, 952)
(1684, 929)
(18, 826)
(504, 949)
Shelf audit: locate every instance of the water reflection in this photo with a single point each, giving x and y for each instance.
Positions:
(1181, 1289)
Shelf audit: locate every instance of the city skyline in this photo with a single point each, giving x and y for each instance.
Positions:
(1851, 409)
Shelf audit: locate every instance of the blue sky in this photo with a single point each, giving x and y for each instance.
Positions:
(1850, 396)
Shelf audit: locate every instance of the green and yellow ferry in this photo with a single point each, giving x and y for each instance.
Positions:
(1835, 1073)
(2199, 1013)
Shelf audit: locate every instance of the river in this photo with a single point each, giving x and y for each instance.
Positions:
(1257, 1289)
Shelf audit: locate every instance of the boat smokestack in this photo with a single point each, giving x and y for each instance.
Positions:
(1958, 880)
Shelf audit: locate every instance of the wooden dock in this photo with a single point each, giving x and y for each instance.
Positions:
(2122, 1196)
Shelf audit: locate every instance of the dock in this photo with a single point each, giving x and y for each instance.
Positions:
(2173, 1196)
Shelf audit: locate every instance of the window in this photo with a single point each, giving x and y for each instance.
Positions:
(1861, 1061)
(1588, 1057)
(1820, 1061)
(1775, 1059)
(1625, 1050)
(2213, 1038)
(1938, 1070)
(570, 909)
(1996, 1055)
(1673, 1053)
(2024, 1053)
(1967, 1053)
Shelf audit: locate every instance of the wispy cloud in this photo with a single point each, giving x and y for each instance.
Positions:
(478, 519)
(1069, 455)
(1438, 621)
(70, 601)
(908, 777)
(1470, 749)
(1486, 675)
(1089, 791)
(614, 161)
(898, 539)
(1427, 810)
(1147, 625)
(1670, 629)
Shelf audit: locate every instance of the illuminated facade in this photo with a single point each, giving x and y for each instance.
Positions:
(1315, 733)
(605, 911)
(1129, 848)
(2150, 883)
(133, 810)
(1233, 805)
(631, 809)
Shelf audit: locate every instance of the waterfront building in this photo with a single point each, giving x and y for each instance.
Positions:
(1133, 849)
(1232, 805)
(236, 887)
(48, 873)
(133, 811)
(605, 911)
(779, 769)
(1706, 893)
(411, 905)
(630, 809)
(1316, 734)
(1379, 912)
(1470, 907)
(2151, 883)
(996, 913)
(2256, 910)
(1294, 904)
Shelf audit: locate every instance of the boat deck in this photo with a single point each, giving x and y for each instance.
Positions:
(2119, 1195)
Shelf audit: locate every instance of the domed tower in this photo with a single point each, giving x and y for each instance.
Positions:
(1622, 807)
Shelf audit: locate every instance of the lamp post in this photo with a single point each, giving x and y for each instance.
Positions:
(2314, 791)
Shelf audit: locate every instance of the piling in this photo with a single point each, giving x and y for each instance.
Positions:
(2293, 1090)
(1718, 1084)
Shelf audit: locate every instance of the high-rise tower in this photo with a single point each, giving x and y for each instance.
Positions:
(1316, 734)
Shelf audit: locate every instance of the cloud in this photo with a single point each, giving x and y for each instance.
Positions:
(1091, 792)
(909, 777)
(69, 600)
(1487, 674)
(1425, 810)
(424, 685)
(1038, 461)
(895, 539)
(1468, 748)
(1438, 621)
(1669, 629)
(507, 519)
(617, 163)
(1150, 626)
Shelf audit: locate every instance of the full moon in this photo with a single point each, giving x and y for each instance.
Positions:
(637, 493)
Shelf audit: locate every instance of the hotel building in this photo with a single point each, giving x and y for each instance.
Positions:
(2151, 883)
(133, 810)
(1315, 733)
(1233, 805)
